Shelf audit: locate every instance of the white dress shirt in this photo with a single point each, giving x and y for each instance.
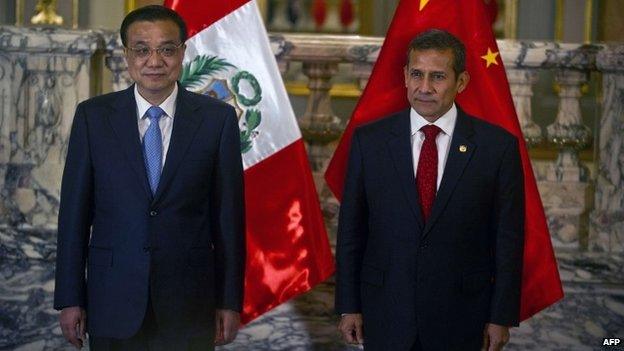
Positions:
(165, 122)
(443, 141)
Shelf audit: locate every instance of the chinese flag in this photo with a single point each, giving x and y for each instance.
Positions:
(487, 96)
(288, 251)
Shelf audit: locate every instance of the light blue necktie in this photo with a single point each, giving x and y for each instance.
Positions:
(152, 147)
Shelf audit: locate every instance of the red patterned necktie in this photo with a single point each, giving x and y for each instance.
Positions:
(427, 171)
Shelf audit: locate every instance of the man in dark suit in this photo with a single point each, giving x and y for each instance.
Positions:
(152, 206)
(430, 236)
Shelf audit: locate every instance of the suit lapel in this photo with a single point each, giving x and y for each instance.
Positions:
(460, 152)
(125, 125)
(185, 124)
(400, 147)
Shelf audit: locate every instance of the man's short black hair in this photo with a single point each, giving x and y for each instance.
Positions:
(437, 39)
(152, 13)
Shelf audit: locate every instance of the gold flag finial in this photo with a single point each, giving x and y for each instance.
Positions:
(423, 3)
(46, 13)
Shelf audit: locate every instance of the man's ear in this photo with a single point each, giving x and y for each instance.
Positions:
(462, 81)
(405, 75)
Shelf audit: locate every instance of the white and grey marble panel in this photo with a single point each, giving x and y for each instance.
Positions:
(607, 219)
(44, 74)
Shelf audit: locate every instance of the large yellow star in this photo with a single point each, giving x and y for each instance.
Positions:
(423, 3)
(490, 58)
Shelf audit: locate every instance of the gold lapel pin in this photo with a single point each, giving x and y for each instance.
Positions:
(463, 148)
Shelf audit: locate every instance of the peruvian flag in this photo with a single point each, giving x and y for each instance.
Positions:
(228, 56)
(486, 96)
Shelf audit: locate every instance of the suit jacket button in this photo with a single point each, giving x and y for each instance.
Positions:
(424, 246)
(153, 213)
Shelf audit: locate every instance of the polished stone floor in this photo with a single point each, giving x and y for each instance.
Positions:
(593, 308)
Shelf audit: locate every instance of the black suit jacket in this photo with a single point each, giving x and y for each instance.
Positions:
(442, 280)
(184, 246)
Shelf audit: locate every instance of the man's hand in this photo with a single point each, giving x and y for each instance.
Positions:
(227, 326)
(351, 328)
(495, 337)
(73, 322)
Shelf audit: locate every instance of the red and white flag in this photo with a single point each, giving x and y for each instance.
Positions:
(228, 56)
(486, 96)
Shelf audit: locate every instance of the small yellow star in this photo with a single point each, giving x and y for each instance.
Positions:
(423, 3)
(490, 58)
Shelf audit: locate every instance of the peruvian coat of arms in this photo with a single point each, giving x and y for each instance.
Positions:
(215, 77)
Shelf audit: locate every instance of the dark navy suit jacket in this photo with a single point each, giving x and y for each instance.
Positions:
(183, 247)
(442, 280)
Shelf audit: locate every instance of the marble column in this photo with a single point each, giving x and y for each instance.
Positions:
(607, 219)
(565, 192)
(568, 133)
(320, 127)
(524, 62)
(44, 74)
(363, 58)
(521, 83)
(319, 124)
(281, 48)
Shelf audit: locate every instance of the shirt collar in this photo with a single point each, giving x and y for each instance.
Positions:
(446, 122)
(168, 105)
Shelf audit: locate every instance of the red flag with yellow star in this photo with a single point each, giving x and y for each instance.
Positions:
(487, 96)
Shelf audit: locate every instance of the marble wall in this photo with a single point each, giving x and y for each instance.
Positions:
(43, 75)
(607, 219)
(565, 185)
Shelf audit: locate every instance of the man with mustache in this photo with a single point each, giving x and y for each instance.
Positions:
(431, 227)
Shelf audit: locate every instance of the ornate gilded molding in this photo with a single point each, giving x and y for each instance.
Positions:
(46, 14)
(511, 19)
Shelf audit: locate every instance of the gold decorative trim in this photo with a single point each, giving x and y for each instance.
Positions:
(549, 152)
(19, 12)
(75, 14)
(46, 14)
(366, 14)
(511, 19)
(587, 30)
(130, 5)
(97, 72)
(343, 90)
(559, 11)
(262, 7)
(20, 9)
